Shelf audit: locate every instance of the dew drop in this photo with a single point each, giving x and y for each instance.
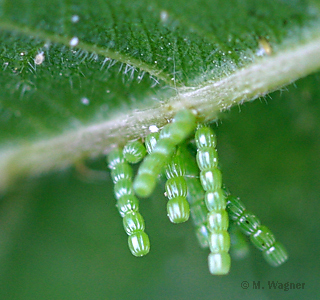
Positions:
(164, 16)
(38, 60)
(153, 128)
(75, 19)
(74, 41)
(85, 101)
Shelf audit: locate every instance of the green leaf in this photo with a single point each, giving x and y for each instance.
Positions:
(79, 77)
(60, 236)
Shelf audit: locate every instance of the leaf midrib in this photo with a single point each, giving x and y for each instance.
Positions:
(261, 77)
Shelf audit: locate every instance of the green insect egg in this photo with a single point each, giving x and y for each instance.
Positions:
(132, 222)
(263, 238)
(115, 157)
(217, 217)
(165, 132)
(205, 137)
(139, 243)
(276, 255)
(164, 147)
(195, 190)
(207, 158)
(151, 141)
(235, 207)
(211, 180)
(217, 220)
(219, 263)
(144, 184)
(120, 172)
(176, 187)
(151, 164)
(202, 235)
(248, 223)
(175, 167)
(215, 200)
(181, 127)
(127, 203)
(187, 118)
(198, 214)
(180, 131)
(219, 241)
(195, 196)
(178, 210)
(123, 187)
(134, 152)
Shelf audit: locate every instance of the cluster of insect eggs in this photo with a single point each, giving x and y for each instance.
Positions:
(194, 186)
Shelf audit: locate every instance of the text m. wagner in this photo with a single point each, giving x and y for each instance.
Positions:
(276, 285)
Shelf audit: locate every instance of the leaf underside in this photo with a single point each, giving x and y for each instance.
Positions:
(79, 77)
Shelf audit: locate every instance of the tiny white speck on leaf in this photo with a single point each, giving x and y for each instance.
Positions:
(264, 48)
(74, 41)
(85, 101)
(38, 60)
(164, 16)
(195, 112)
(153, 128)
(75, 19)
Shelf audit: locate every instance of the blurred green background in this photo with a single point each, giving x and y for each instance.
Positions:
(61, 236)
